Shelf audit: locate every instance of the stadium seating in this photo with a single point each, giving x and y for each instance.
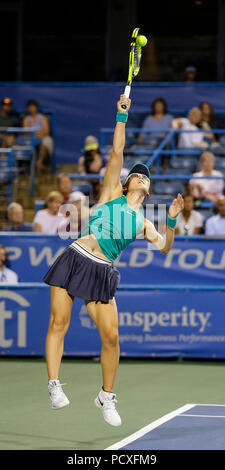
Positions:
(173, 171)
(84, 187)
(184, 162)
(220, 164)
(168, 188)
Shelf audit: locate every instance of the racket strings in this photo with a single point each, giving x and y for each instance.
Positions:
(137, 59)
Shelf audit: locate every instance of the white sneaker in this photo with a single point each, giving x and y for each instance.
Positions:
(57, 395)
(106, 401)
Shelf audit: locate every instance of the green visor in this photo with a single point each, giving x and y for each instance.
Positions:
(140, 168)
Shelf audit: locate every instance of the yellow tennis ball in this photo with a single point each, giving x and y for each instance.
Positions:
(141, 41)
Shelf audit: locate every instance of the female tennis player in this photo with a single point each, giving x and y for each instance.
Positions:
(85, 269)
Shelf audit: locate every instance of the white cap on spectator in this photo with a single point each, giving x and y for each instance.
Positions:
(76, 196)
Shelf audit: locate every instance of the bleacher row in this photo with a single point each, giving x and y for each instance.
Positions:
(167, 180)
(14, 160)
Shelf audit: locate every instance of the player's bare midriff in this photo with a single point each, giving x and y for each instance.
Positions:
(90, 243)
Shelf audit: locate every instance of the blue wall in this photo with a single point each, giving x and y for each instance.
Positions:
(169, 304)
(162, 323)
(192, 260)
(83, 108)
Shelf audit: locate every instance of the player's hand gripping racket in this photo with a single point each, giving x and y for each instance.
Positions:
(134, 60)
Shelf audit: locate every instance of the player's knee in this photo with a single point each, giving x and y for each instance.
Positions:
(59, 323)
(111, 338)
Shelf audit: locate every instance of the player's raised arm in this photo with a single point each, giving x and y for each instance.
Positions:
(164, 244)
(111, 182)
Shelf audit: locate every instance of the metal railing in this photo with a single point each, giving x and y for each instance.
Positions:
(170, 137)
(11, 152)
(156, 156)
(6, 178)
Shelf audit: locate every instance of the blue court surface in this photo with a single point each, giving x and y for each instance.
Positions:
(193, 426)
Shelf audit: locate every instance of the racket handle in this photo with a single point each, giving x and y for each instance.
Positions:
(127, 94)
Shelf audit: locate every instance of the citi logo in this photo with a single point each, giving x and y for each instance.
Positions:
(19, 311)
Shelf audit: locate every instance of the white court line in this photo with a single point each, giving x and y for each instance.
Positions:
(150, 427)
(203, 416)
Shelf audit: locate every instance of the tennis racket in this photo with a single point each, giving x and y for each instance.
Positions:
(134, 63)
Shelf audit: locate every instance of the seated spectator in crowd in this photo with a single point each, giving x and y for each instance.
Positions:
(189, 221)
(43, 140)
(215, 225)
(7, 276)
(211, 189)
(158, 120)
(191, 123)
(91, 161)
(213, 121)
(77, 218)
(64, 185)
(16, 217)
(7, 119)
(48, 220)
(190, 73)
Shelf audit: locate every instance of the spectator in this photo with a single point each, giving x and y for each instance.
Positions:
(48, 220)
(209, 116)
(158, 120)
(190, 74)
(78, 218)
(7, 276)
(7, 119)
(16, 217)
(64, 185)
(215, 225)
(211, 189)
(191, 123)
(91, 161)
(43, 140)
(189, 221)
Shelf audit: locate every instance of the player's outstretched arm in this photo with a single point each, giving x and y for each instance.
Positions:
(164, 244)
(111, 182)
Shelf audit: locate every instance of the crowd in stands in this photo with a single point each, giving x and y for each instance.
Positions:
(199, 117)
(31, 118)
(58, 215)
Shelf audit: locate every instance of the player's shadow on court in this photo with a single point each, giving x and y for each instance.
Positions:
(35, 436)
(74, 442)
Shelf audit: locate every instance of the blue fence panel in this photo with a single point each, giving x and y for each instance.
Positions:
(80, 107)
(197, 259)
(161, 323)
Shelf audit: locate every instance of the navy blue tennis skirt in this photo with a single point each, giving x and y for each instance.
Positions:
(83, 274)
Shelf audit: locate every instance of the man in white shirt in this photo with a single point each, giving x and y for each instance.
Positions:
(189, 221)
(7, 276)
(211, 189)
(190, 139)
(215, 225)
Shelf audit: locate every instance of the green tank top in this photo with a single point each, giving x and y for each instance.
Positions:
(115, 225)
